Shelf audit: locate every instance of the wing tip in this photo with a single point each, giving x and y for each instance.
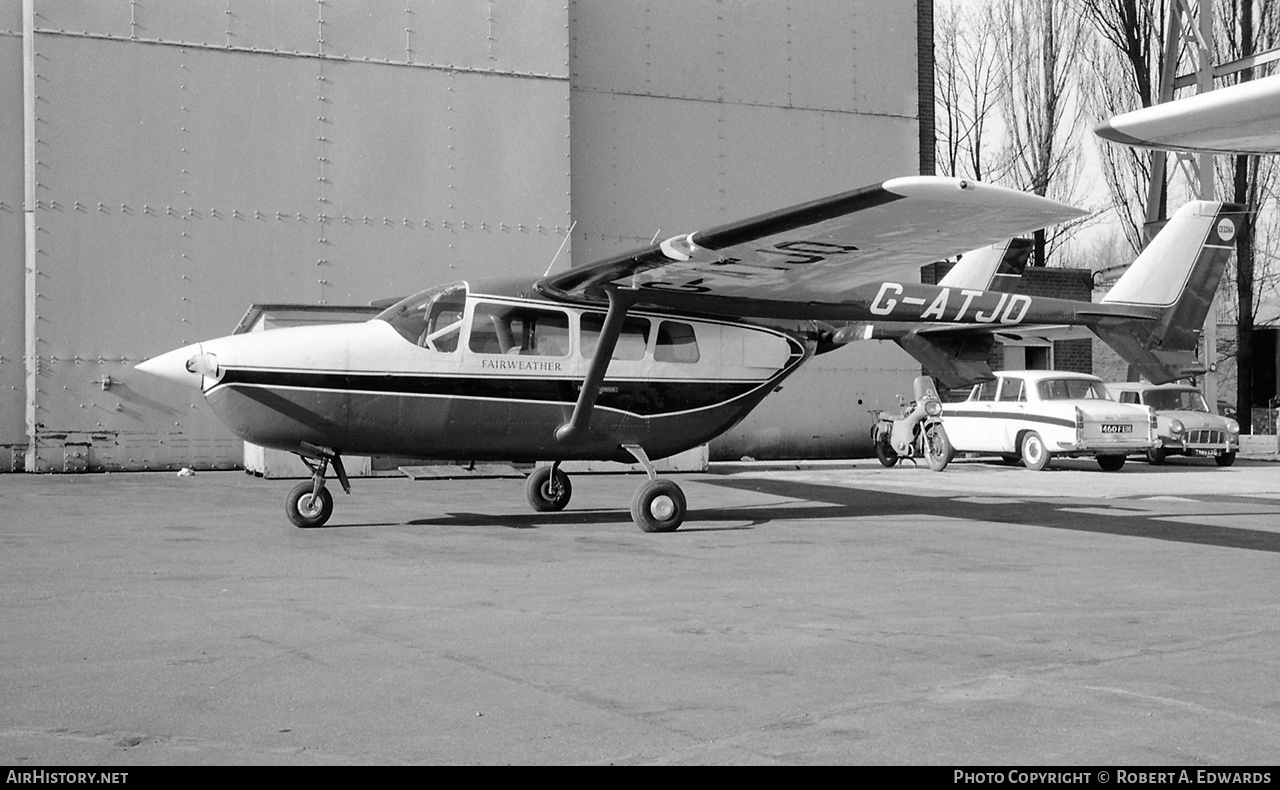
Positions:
(950, 189)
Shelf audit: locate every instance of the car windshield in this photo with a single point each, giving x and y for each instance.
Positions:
(1071, 389)
(1176, 400)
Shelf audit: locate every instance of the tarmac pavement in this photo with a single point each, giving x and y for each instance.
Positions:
(830, 613)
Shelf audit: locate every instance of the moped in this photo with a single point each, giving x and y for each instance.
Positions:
(916, 432)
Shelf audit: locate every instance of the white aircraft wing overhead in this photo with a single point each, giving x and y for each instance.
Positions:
(805, 261)
(1242, 118)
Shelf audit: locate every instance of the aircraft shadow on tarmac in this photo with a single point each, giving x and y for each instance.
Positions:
(825, 502)
(858, 502)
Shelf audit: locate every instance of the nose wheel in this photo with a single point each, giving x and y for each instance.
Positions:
(310, 504)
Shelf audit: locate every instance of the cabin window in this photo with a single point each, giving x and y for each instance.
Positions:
(519, 330)
(631, 342)
(1128, 397)
(432, 319)
(676, 343)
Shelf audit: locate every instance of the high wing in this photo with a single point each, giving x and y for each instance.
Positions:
(808, 261)
(1242, 118)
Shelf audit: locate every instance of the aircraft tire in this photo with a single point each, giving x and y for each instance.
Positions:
(1111, 463)
(1225, 459)
(1035, 456)
(306, 511)
(658, 506)
(937, 447)
(548, 493)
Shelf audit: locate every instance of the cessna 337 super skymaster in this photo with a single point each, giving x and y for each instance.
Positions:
(635, 357)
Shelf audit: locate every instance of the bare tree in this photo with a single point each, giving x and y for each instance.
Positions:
(1041, 44)
(1123, 75)
(966, 88)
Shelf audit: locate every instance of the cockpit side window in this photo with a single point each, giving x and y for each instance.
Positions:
(516, 329)
(432, 319)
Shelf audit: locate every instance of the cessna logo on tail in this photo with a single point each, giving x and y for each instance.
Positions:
(1008, 309)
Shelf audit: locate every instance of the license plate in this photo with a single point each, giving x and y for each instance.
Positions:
(1114, 428)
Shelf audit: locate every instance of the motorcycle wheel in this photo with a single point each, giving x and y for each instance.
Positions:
(937, 447)
(884, 453)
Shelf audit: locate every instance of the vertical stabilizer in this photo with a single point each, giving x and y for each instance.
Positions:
(1177, 274)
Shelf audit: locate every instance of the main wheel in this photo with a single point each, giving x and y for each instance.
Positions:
(937, 447)
(546, 490)
(1225, 459)
(1111, 463)
(1035, 456)
(1156, 456)
(308, 509)
(658, 506)
(885, 453)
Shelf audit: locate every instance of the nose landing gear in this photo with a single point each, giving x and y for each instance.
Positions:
(310, 504)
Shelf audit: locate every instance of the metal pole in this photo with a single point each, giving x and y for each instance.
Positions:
(30, 352)
(1209, 334)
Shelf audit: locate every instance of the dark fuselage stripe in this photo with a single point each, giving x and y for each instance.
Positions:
(645, 397)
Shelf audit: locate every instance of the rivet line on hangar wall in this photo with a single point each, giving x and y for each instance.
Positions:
(222, 214)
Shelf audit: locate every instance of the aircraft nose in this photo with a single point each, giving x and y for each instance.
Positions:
(177, 366)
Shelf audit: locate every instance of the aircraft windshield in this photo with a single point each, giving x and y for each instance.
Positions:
(1176, 400)
(1072, 389)
(430, 319)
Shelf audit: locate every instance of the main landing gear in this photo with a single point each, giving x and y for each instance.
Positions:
(658, 505)
(310, 504)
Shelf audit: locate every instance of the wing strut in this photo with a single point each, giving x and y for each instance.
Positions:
(576, 428)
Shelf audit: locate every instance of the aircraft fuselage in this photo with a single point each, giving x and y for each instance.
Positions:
(490, 374)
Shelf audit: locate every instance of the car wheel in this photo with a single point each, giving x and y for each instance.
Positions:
(1156, 456)
(1225, 459)
(1035, 456)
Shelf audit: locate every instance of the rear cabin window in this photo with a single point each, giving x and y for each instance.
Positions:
(631, 342)
(676, 343)
(517, 330)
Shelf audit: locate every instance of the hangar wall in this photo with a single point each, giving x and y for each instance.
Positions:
(191, 159)
(687, 115)
(187, 160)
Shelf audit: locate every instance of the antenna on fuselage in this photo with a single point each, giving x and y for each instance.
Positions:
(568, 235)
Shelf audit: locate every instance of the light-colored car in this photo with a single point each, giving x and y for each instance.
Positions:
(1037, 415)
(1184, 421)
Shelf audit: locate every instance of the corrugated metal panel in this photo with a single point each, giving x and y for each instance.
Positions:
(13, 434)
(186, 172)
(687, 115)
